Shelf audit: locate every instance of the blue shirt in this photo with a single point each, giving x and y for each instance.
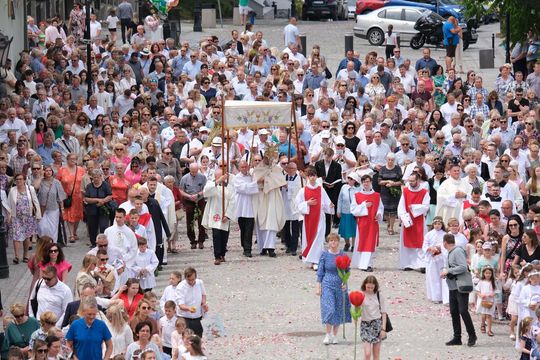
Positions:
(86, 340)
(46, 152)
(284, 149)
(448, 35)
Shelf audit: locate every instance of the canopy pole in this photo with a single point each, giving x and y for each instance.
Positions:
(297, 143)
(222, 154)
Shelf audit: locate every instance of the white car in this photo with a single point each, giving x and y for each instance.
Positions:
(374, 25)
(351, 5)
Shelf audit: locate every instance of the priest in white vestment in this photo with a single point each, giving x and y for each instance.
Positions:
(451, 195)
(412, 209)
(122, 237)
(269, 207)
(313, 203)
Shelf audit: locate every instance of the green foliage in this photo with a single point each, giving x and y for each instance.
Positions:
(524, 15)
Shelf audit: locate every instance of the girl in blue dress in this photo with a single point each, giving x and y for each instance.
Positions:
(347, 223)
(331, 291)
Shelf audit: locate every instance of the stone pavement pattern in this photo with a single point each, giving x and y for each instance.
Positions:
(268, 306)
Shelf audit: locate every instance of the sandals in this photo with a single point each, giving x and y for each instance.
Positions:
(25, 260)
(16, 260)
(483, 328)
(490, 333)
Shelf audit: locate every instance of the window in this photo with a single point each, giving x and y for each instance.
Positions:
(382, 14)
(393, 14)
(412, 15)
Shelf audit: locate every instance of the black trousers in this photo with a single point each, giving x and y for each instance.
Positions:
(195, 325)
(189, 207)
(246, 232)
(220, 239)
(96, 224)
(389, 50)
(160, 251)
(459, 309)
(291, 233)
(124, 25)
(167, 350)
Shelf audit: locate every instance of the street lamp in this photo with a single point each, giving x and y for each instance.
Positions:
(197, 17)
(88, 42)
(5, 43)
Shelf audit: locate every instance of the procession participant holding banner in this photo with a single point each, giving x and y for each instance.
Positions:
(412, 209)
(313, 203)
(368, 209)
(245, 189)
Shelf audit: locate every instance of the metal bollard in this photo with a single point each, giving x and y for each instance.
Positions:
(493, 44)
(349, 42)
(303, 42)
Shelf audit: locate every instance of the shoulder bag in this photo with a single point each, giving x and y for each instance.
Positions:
(388, 326)
(68, 201)
(34, 300)
(464, 281)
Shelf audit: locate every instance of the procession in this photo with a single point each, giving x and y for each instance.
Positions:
(232, 194)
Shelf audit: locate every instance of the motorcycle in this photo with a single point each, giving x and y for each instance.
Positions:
(430, 32)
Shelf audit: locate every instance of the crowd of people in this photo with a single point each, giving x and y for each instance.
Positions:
(444, 159)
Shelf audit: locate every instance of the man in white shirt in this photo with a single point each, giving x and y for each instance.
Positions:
(191, 300)
(343, 74)
(240, 84)
(41, 108)
(455, 119)
(14, 123)
(93, 109)
(102, 243)
(292, 50)
(122, 237)
(377, 151)
(95, 27)
(291, 35)
(51, 294)
(406, 79)
(450, 107)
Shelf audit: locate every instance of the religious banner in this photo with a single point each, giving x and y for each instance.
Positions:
(256, 114)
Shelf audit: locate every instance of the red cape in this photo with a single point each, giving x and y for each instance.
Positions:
(311, 220)
(368, 226)
(413, 237)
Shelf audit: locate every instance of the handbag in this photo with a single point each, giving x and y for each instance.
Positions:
(464, 282)
(487, 304)
(34, 300)
(68, 201)
(388, 326)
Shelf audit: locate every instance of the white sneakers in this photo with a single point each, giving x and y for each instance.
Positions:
(330, 339)
(327, 339)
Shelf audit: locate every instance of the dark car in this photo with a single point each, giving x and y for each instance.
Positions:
(330, 9)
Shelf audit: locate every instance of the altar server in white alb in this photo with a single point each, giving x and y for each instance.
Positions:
(245, 189)
(291, 230)
(144, 265)
(215, 217)
(122, 237)
(412, 209)
(451, 194)
(313, 203)
(269, 207)
(434, 254)
(368, 210)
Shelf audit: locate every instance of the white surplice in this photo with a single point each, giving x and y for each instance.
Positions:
(436, 288)
(145, 260)
(448, 206)
(123, 238)
(317, 246)
(363, 260)
(409, 257)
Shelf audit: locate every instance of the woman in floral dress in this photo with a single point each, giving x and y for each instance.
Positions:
(24, 213)
(76, 22)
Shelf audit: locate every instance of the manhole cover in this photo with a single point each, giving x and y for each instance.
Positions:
(305, 333)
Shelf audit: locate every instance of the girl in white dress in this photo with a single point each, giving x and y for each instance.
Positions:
(529, 297)
(518, 277)
(194, 349)
(432, 247)
(486, 298)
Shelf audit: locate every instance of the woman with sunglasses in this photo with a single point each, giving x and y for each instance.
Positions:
(511, 242)
(134, 173)
(143, 314)
(374, 87)
(39, 350)
(24, 213)
(53, 255)
(19, 332)
(82, 126)
(36, 138)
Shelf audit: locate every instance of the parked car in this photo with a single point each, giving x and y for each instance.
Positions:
(366, 6)
(351, 6)
(331, 9)
(372, 26)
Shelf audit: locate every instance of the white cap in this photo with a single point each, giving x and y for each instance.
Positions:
(217, 141)
(339, 140)
(204, 128)
(264, 132)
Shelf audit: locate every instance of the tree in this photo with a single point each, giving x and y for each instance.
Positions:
(524, 15)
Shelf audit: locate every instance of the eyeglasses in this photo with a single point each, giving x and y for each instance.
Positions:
(504, 121)
(53, 251)
(19, 316)
(529, 124)
(440, 138)
(104, 259)
(166, 152)
(405, 144)
(459, 109)
(340, 145)
(105, 168)
(36, 168)
(284, 164)
(432, 128)
(469, 126)
(513, 225)
(145, 308)
(41, 351)
(423, 142)
(326, 127)
(46, 279)
(102, 245)
(118, 149)
(311, 113)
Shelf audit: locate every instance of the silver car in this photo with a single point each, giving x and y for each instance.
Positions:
(374, 25)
